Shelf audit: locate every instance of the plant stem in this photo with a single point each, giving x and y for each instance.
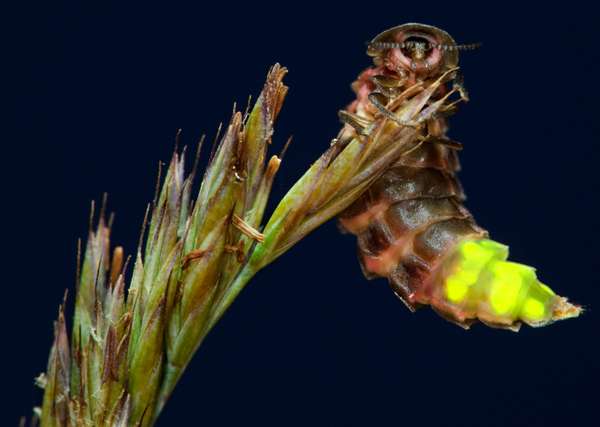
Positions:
(231, 294)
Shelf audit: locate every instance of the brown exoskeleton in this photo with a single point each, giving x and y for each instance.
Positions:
(411, 225)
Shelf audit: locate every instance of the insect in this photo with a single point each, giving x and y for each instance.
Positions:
(411, 225)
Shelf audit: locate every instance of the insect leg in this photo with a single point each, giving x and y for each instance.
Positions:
(459, 84)
(359, 124)
(454, 145)
(388, 85)
(378, 99)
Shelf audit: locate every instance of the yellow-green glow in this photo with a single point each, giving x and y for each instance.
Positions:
(534, 309)
(547, 289)
(476, 253)
(479, 281)
(472, 257)
(467, 276)
(471, 250)
(505, 287)
(456, 289)
(499, 248)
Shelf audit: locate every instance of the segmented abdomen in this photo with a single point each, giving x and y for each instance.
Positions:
(412, 228)
(406, 221)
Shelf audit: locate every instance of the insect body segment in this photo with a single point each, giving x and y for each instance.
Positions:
(411, 225)
(478, 283)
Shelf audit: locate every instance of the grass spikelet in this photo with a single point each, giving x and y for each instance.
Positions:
(132, 337)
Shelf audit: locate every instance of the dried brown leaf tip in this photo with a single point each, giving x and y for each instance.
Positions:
(247, 229)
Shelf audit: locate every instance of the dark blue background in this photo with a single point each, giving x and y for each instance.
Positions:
(97, 91)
